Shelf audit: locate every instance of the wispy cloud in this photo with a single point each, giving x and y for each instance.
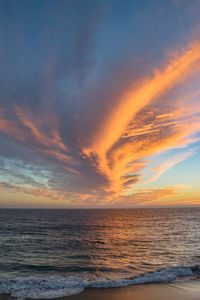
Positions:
(141, 124)
(40, 192)
(149, 197)
(171, 161)
(137, 97)
(108, 159)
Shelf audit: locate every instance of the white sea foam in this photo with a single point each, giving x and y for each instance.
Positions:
(49, 287)
(40, 287)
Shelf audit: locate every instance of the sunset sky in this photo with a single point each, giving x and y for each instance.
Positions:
(99, 103)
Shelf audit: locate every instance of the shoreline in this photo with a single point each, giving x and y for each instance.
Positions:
(181, 290)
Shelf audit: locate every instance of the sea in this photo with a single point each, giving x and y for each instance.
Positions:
(51, 253)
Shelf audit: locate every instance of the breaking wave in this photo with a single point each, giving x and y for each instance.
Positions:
(49, 287)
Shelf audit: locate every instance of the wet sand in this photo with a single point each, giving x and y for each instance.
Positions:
(189, 290)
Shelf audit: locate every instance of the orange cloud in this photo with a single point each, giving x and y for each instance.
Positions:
(175, 72)
(40, 192)
(138, 127)
(31, 131)
(149, 196)
(36, 132)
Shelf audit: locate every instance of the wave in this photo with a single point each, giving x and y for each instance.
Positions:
(49, 287)
(53, 269)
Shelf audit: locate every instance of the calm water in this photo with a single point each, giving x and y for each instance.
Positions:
(51, 253)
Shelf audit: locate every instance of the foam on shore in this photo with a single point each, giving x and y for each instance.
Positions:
(50, 287)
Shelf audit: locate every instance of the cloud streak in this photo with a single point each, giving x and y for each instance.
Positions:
(167, 165)
(104, 163)
(137, 127)
(175, 72)
(149, 197)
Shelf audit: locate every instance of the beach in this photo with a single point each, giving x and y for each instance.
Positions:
(181, 290)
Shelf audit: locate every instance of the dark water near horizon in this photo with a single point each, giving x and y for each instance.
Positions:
(52, 253)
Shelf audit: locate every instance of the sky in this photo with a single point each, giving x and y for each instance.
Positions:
(99, 103)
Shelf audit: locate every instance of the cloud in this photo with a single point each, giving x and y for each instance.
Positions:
(40, 192)
(100, 155)
(39, 133)
(167, 165)
(149, 196)
(137, 127)
(134, 99)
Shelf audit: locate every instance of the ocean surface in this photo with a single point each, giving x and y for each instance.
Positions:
(54, 253)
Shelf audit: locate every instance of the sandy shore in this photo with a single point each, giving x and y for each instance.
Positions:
(189, 290)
